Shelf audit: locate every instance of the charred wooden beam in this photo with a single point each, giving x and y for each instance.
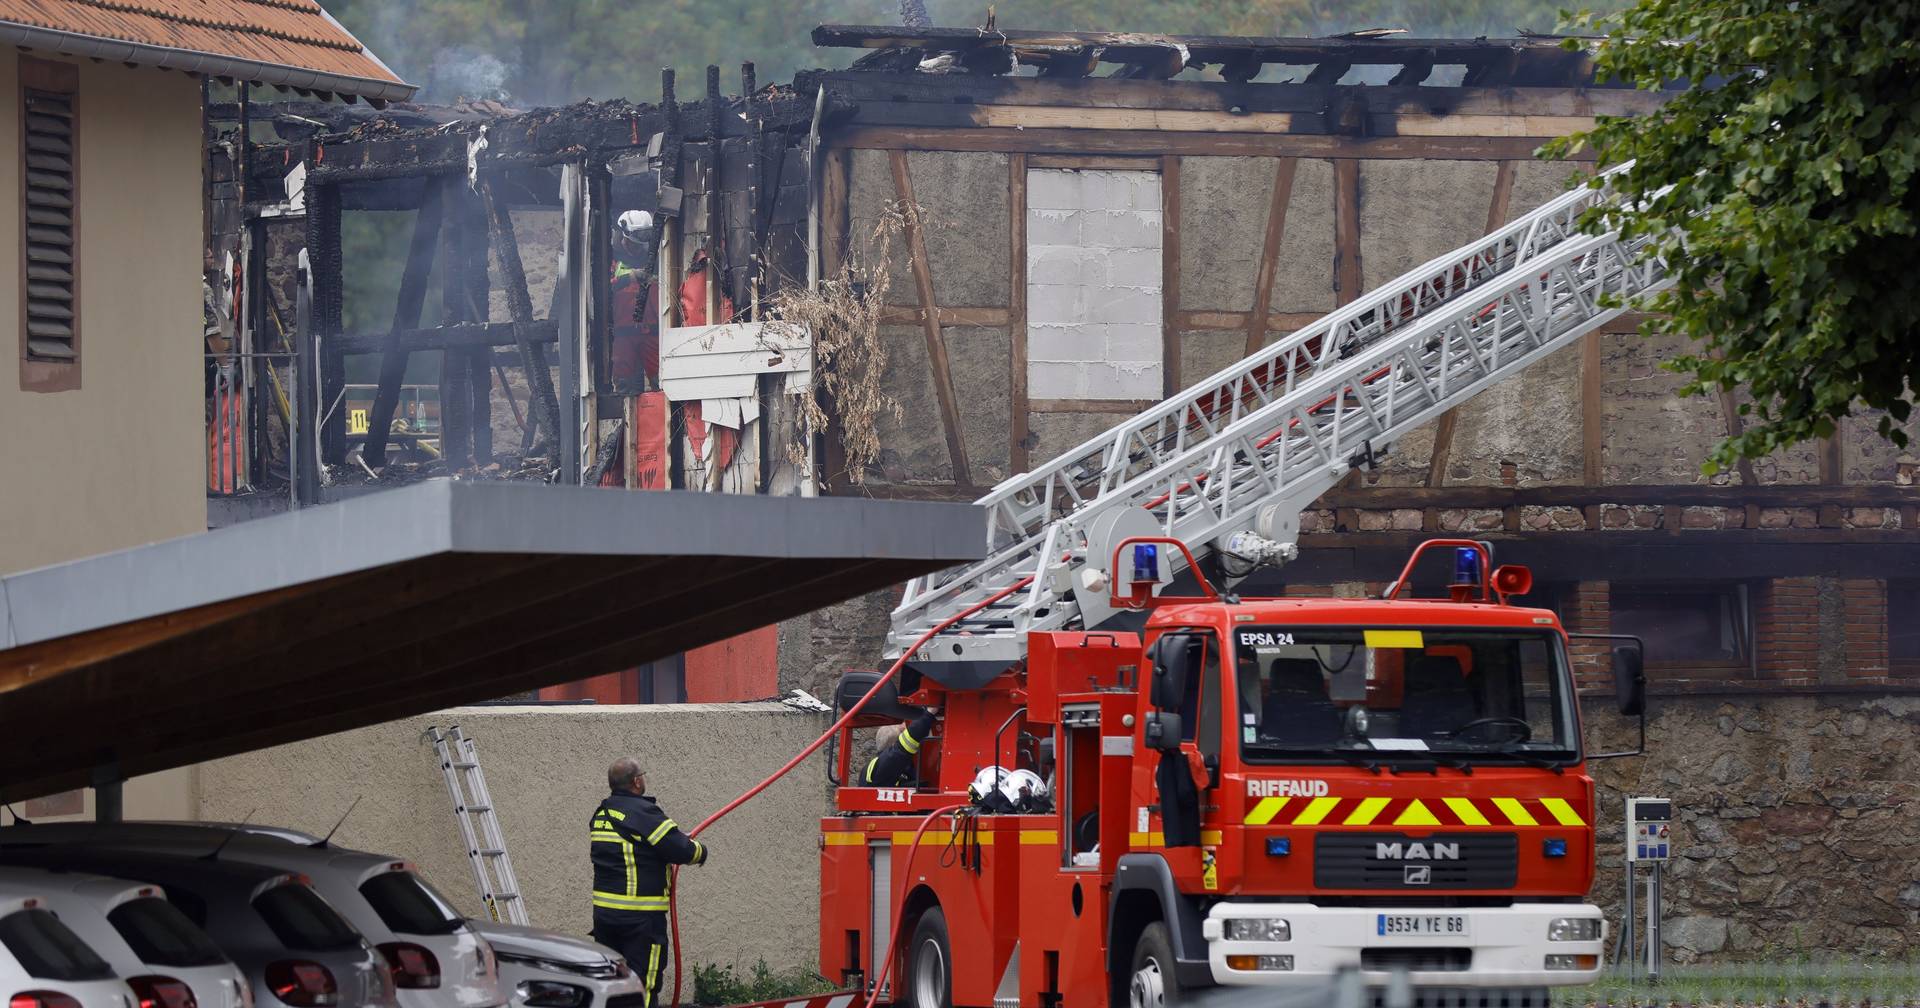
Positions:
(323, 253)
(546, 405)
(1328, 71)
(1414, 71)
(1073, 62)
(406, 315)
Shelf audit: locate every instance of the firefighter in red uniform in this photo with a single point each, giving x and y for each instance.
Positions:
(635, 357)
(633, 845)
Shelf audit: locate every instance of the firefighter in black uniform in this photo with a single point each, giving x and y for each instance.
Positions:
(895, 766)
(633, 844)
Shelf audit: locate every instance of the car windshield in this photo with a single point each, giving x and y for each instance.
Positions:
(47, 950)
(1493, 694)
(304, 921)
(408, 906)
(161, 935)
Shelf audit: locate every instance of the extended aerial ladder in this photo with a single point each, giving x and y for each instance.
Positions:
(1228, 465)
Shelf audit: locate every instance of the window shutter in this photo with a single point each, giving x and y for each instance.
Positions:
(49, 153)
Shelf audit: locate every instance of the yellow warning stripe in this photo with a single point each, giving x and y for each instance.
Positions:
(1464, 810)
(904, 838)
(1515, 812)
(1471, 812)
(1562, 812)
(1315, 811)
(1369, 807)
(1264, 812)
(843, 839)
(1036, 837)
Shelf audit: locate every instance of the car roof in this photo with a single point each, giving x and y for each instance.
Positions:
(233, 842)
(160, 869)
(102, 890)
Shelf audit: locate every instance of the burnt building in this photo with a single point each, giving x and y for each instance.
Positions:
(1097, 221)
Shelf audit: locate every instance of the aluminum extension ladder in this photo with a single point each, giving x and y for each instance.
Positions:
(486, 845)
(1250, 447)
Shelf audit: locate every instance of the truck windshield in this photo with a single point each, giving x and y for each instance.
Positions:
(1484, 695)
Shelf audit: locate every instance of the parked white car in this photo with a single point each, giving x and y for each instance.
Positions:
(546, 969)
(43, 964)
(295, 949)
(437, 961)
(167, 959)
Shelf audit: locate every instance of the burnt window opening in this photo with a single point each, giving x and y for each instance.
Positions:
(1686, 624)
(51, 332)
(1903, 625)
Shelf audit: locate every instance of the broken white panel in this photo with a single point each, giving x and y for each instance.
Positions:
(726, 361)
(1093, 284)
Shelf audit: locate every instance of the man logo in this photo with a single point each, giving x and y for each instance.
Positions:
(1419, 874)
(1416, 851)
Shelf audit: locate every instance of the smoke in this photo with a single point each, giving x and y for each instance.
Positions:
(466, 72)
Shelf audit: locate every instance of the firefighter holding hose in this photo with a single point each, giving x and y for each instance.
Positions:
(634, 844)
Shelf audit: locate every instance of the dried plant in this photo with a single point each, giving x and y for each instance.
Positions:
(844, 313)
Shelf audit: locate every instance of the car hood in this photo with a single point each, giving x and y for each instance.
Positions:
(535, 943)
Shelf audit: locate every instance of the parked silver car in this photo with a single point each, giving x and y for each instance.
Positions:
(546, 969)
(295, 949)
(538, 968)
(167, 960)
(43, 964)
(436, 959)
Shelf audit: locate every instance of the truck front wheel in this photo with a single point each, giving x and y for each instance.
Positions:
(930, 963)
(1154, 983)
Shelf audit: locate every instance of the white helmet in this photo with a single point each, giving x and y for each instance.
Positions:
(1023, 788)
(986, 786)
(634, 223)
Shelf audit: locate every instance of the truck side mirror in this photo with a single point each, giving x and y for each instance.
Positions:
(1629, 680)
(1162, 730)
(1172, 658)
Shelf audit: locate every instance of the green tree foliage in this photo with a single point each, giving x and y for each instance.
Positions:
(1781, 189)
(554, 51)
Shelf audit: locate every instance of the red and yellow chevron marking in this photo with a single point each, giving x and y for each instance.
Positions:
(1486, 813)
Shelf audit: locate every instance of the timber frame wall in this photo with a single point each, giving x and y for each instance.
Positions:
(1620, 500)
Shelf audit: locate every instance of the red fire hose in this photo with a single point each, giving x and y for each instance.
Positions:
(673, 914)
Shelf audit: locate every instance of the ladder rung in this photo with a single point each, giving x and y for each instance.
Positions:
(465, 766)
(505, 896)
(489, 852)
(478, 808)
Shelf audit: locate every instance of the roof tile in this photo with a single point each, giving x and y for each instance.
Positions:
(288, 33)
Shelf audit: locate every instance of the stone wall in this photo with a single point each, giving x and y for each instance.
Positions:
(1797, 822)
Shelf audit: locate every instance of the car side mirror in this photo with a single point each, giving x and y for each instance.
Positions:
(1162, 730)
(1173, 659)
(1630, 680)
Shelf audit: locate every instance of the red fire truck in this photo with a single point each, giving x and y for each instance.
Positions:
(1246, 791)
(1243, 791)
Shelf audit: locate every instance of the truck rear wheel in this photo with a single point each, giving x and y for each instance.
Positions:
(1154, 983)
(930, 963)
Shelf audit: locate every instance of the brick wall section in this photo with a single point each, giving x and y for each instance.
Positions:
(1864, 608)
(1786, 613)
(1586, 611)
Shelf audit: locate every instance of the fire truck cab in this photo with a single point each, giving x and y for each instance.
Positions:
(1257, 791)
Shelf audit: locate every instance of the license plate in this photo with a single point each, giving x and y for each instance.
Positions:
(1423, 925)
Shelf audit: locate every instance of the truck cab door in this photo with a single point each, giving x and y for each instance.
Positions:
(1178, 727)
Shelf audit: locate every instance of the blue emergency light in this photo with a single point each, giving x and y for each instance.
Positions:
(1279, 846)
(1466, 566)
(1554, 848)
(1146, 562)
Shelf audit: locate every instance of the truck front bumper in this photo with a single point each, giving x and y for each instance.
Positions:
(1500, 947)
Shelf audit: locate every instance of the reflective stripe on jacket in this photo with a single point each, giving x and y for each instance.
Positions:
(632, 844)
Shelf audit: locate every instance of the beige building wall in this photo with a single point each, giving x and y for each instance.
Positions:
(758, 897)
(119, 461)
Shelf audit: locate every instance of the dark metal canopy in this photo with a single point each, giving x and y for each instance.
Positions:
(407, 601)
